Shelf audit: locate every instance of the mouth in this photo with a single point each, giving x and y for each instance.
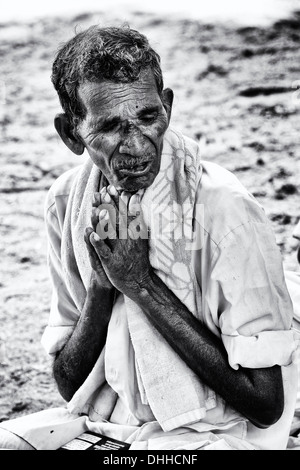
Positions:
(135, 170)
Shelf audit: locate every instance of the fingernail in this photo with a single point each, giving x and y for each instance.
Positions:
(102, 214)
(107, 198)
(112, 190)
(95, 211)
(125, 196)
(133, 200)
(96, 236)
(103, 190)
(137, 198)
(133, 206)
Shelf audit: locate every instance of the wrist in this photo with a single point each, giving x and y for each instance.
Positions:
(100, 300)
(144, 285)
(97, 288)
(147, 280)
(100, 281)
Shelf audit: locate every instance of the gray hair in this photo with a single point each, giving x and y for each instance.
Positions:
(118, 54)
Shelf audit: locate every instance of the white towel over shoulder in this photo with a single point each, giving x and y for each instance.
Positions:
(175, 394)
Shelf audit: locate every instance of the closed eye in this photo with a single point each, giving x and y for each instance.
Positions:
(148, 114)
(110, 126)
(148, 118)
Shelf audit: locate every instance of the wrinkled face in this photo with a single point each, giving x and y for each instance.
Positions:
(123, 130)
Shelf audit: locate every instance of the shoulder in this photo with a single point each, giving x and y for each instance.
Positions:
(217, 177)
(226, 204)
(62, 185)
(57, 197)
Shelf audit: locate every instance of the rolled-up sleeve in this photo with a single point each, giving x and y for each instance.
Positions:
(63, 312)
(256, 315)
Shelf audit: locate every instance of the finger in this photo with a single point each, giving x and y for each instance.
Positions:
(96, 199)
(112, 190)
(125, 196)
(95, 217)
(94, 258)
(100, 246)
(103, 195)
(109, 204)
(104, 215)
(134, 205)
(140, 192)
(87, 234)
(106, 228)
(106, 198)
(108, 201)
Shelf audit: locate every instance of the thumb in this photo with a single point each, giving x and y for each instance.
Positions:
(100, 246)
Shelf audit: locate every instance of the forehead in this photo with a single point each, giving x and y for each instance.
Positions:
(107, 97)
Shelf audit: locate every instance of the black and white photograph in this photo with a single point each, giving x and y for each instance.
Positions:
(150, 227)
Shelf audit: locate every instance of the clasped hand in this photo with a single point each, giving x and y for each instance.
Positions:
(118, 241)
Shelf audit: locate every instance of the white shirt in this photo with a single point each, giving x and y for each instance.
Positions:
(244, 301)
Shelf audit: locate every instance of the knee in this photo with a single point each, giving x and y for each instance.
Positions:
(9, 441)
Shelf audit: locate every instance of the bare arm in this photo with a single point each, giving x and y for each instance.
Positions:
(75, 361)
(256, 393)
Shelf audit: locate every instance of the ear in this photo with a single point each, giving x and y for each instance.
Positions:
(167, 99)
(65, 131)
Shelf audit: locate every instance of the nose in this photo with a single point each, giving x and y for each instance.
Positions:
(132, 141)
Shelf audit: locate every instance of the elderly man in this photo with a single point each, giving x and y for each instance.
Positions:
(171, 324)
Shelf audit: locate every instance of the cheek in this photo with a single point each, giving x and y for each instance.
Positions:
(156, 133)
(161, 124)
(99, 159)
(101, 151)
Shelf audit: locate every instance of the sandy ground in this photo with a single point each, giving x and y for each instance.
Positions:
(234, 86)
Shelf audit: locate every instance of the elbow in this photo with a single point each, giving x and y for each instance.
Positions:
(269, 411)
(62, 381)
(267, 419)
(64, 391)
(267, 397)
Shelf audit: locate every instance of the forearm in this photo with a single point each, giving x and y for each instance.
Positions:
(75, 361)
(256, 393)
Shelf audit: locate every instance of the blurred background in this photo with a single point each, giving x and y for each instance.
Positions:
(235, 71)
